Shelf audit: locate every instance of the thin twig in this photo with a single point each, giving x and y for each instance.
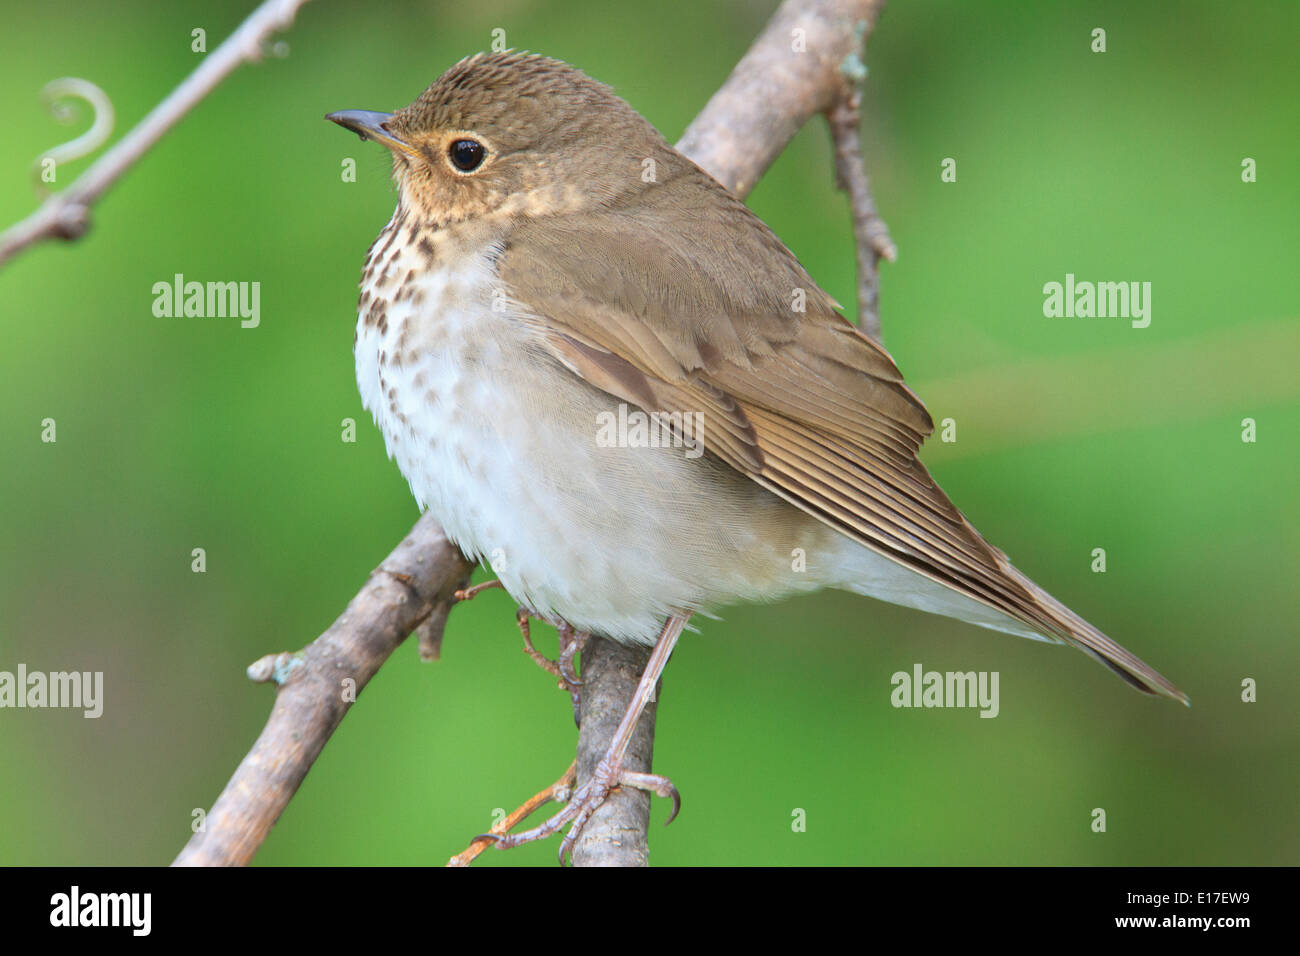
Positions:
(559, 792)
(66, 215)
(873, 241)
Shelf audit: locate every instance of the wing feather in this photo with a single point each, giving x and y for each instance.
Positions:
(801, 402)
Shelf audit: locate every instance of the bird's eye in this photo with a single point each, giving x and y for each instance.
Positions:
(467, 155)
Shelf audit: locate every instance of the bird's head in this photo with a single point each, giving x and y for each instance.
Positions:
(514, 134)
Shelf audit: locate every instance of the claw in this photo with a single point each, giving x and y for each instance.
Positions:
(656, 784)
(585, 801)
(571, 643)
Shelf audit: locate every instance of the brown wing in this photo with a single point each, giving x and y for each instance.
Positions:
(794, 395)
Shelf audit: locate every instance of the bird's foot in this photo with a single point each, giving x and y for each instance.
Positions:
(468, 594)
(571, 643)
(562, 668)
(609, 773)
(586, 800)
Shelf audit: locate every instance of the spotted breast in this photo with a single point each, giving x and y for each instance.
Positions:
(500, 442)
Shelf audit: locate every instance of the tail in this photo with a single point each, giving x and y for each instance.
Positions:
(1077, 632)
(1028, 611)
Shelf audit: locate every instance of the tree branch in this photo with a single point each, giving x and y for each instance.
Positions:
(66, 215)
(794, 70)
(412, 587)
(616, 834)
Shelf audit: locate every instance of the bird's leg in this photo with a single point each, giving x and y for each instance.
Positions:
(468, 594)
(609, 773)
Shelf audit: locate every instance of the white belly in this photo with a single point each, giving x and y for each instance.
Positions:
(499, 442)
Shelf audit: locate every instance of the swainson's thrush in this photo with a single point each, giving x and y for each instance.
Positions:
(555, 269)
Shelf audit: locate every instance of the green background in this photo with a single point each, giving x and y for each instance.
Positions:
(1072, 434)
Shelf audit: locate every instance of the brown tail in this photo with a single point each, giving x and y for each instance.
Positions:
(1077, 632)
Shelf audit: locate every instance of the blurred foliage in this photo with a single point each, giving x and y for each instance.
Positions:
(1073, 434)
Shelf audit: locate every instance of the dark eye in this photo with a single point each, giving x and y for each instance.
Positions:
(467, 155)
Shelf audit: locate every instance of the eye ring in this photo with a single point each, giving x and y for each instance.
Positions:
(466, 155)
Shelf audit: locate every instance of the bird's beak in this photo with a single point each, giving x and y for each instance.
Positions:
(370, 125)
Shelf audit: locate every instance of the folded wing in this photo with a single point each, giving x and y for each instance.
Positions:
(792, 394)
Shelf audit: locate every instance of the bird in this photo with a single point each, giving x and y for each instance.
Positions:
(610, 380)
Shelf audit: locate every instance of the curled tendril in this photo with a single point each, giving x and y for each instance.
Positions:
(55, 96)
